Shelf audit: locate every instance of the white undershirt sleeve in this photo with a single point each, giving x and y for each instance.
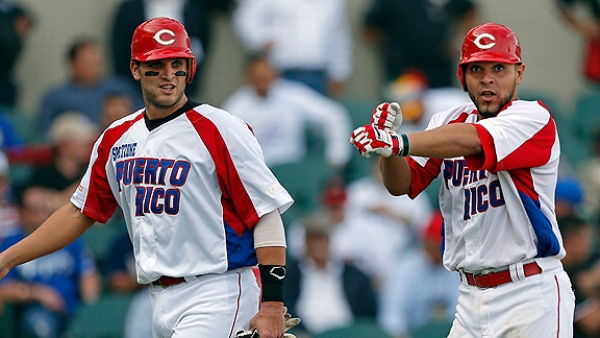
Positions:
(269, 231)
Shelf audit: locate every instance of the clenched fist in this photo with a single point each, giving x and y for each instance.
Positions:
(387, 116)
(383, 142)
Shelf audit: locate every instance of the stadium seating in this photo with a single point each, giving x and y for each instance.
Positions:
(103, 319)
(362, 328)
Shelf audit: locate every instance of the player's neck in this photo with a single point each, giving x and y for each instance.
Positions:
(155, 112)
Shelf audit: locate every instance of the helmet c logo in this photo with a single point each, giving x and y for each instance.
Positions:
(159, 39)
(487, 45)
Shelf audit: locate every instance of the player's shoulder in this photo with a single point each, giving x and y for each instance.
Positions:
(535, 105)
(211, 111)
(530, 110)
(136, 115)
(463, 112)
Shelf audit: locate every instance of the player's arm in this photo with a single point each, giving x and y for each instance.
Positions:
(269, 241)
(58, 231)
(453, 140)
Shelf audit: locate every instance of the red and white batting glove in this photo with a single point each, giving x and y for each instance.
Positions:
(387, 116)
(385, 143)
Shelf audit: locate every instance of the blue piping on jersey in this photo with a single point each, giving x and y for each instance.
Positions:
(240, 249)
(547, 244)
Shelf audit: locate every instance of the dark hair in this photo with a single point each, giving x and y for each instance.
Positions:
(78, 45)
(255, 57)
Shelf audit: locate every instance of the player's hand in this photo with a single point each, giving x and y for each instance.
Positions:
(387, 116)
(290, 322)
(368, 139)
(269, 321)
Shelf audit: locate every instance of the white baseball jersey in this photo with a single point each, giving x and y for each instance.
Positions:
(191, 186)
(498, 207)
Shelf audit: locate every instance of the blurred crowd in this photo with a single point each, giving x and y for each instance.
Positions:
(357, 255)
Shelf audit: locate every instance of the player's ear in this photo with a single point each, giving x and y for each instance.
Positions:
(520, 69)
(135, 70)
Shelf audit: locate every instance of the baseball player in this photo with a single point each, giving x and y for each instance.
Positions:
(202, 208)
(498, 160)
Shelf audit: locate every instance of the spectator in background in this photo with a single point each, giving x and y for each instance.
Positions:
(394, 224)
(307, 41)
(51, 289)
(588, 26)
(9, 212)
(589, 174)
(582, 265)
(569, 196)
(72, 136)
(193, 14)
(419, 34)
(114, 107)
(368, 238)
(86, 88)
(324, 291)
(279, 111)
(11, 139)
(420, 289)
(419, 102)
(16, 23)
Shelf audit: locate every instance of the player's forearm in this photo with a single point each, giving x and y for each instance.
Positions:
(460, 139)
(271, 255)
(453, 140)
(396, 175)
(272, 274)
(58, 231)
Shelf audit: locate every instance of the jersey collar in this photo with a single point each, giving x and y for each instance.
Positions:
(153, 124)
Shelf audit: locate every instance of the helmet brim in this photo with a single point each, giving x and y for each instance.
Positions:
(163, 53)
(486, 56)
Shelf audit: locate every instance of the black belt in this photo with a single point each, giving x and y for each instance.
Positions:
(494, 279)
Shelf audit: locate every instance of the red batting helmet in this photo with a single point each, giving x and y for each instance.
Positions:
(162, 38)
(489, 42)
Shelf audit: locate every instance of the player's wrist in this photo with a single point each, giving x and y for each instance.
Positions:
(272, 278)
(404, 145)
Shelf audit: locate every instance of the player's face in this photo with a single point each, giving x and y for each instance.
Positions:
(492, 85)
(161, 87)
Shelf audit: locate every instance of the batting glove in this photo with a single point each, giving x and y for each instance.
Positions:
(385, 143)
(387, 116)
(290, 322)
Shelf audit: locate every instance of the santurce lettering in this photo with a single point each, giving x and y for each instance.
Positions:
(123, 151)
